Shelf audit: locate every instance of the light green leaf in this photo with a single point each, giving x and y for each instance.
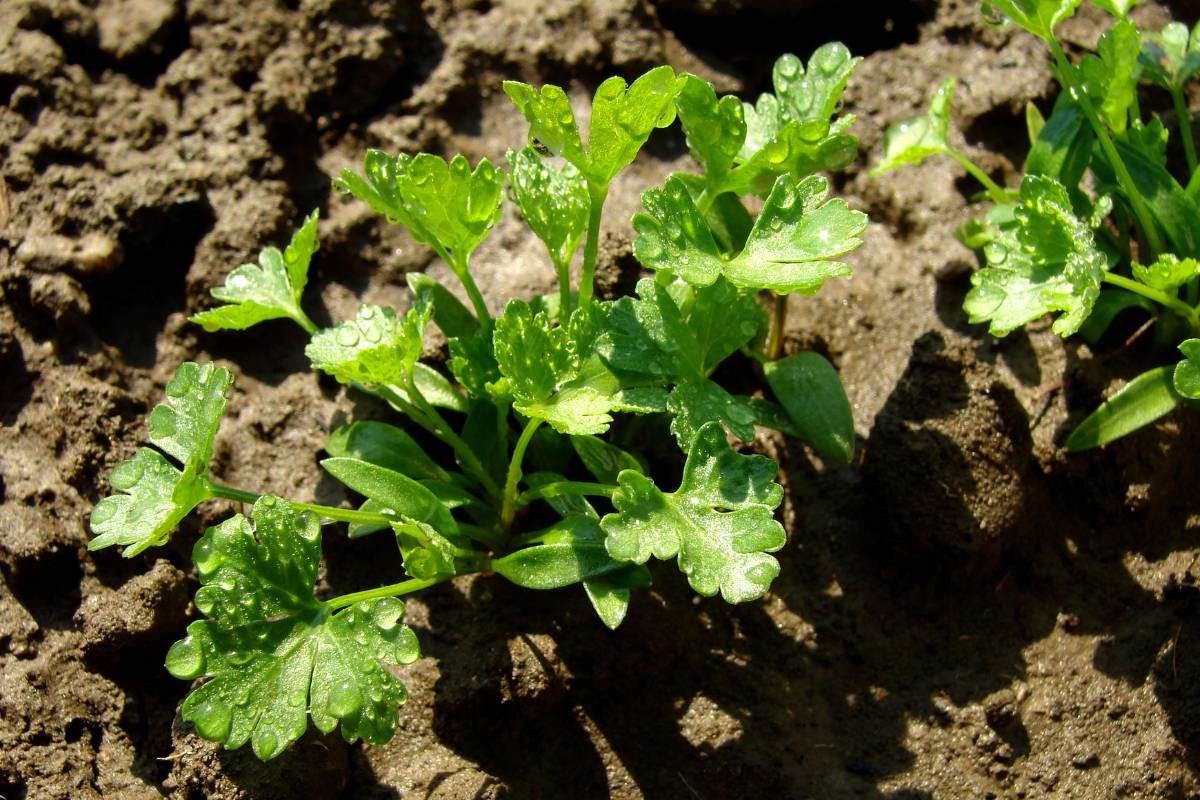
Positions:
(553, 201)
(552, 371)
(911, 141)
(715, 129)
(426, 552)
(603, 459)
(1143, 400)
(811, 392)
(157, 495)
(1045, 260)
(796, 239)
(449, 206)
(401, 495)
(792, 247)
(473, 363)
(1186, 377)
(373, 348)
(272, 653)
(1112, 75)
(610, 594)
(1171, 58)
(815, 93)
(269, 290)
(448, 311)
(722, 320)
(1168, 273)
(694, 404)
(621, 120)
(1118, 8)
(719, 524)
(1039, 17)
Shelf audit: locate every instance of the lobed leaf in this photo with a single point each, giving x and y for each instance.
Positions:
(554, 202)
(1112, 75)
(271, 289)
(718, 525)
(815, 93)
(1172, 57)
(373, 348)
(1186, 378)
(157, 495)
(272, 653)
(1039, 17)
(911, 141)
(694, 404)
(714, 129)
(1045, 260)
(1168, 273)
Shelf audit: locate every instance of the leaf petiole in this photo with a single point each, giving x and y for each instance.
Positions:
(597, 194)
(1181, 308)
(1185, 127)
(778, 320)
(442, 429)
(562, 489)
(350, 515)
(392, 590)
(994, 190)
(509, 508)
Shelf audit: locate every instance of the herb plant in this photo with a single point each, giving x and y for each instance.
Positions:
(540, 383)
(1100, 224)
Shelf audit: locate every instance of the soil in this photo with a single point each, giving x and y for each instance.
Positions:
(964, 612)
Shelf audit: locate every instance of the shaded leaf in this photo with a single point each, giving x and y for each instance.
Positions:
(811, 392)
(1143, 400)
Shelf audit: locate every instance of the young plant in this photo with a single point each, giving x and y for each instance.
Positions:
(538, 384)
(1099, 224)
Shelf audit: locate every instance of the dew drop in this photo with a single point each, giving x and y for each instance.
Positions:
(366, 312)
(185, 659)
(372, 333)
(789, 66)
(238, 282)
(344, 699)
(240, 657)
(213, 720)
(104, 511)
(127, 474)
(266, 744)
(347, 335)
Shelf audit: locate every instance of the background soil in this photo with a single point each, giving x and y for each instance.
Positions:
(963, 613)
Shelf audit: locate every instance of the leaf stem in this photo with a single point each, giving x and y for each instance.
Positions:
(1140, 210)
(509, 509)
(1185, 127)
(303, 320)
(597, 194)
(778, 320)
(462, 271)
(564, 289)
(442, 429)
(562, 489)
(994, 190)
(1162, 298)
(705, 200)
(392, 590)
(327, 512)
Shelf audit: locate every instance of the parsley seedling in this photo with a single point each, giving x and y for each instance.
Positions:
(539, 384)
(1099, 224)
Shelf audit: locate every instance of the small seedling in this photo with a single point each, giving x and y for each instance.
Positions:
(1099, 224)
(540, 383)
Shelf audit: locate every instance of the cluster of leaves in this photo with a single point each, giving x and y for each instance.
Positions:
(538, 384)
(1100, 224)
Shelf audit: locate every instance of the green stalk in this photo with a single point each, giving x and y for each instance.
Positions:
(994, 190)
(564, 289)
(462, 271)
(778, 320)
(705, 200)
(562, 489)
(462, 450)
(597, 194)
(300, 318)
(1181, 308)
(1185, 127)
(509, 509)
(325, 512)
(1140, 210)
(394, 590)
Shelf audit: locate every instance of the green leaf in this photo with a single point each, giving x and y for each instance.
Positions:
(1118, 8)
(604, 460)
(811, 392)
(427, 554)
(815, 93)
(1143, 400)
(622, 118)
(719, 524)
(553, 201)
(1063, 148)
(1176, 213)
(715, 129)
(449, 313)
(1039, 17)
(1112, 75)
(157, 495)
(373, 348)
(400, 494)
(796, 239)
(384, 446)
(721, 321)
(693, 404)
(473, 363)
(449, 206)
(570, 551)
(610, 594)
(269, 290)
(791, 248)
(565, 505)
(1109, 304)
(1046, 260)
(552, 371)
(1168, 273)
(911, 141)
(272, 653)
(1186, 377)
(1172, 57)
